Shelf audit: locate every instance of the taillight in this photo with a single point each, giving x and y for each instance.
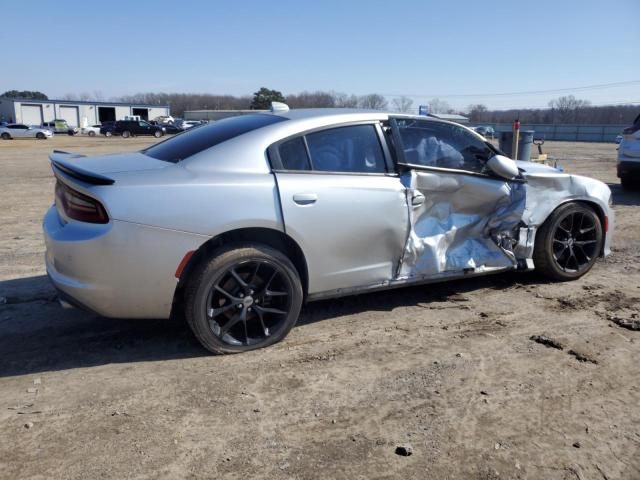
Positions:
(79, 206)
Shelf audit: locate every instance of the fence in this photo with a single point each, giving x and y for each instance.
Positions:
(571, 133)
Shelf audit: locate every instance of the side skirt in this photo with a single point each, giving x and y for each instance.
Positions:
(405, 282)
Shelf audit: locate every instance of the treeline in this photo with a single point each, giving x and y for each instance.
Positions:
(180, 102)
(564, 110)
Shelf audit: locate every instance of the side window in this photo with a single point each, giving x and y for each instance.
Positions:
(354, 149)
(293, 155)
(436, 144)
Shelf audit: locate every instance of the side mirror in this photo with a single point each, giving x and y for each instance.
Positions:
(503, 167)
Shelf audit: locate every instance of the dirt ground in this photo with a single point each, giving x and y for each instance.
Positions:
(449, 370)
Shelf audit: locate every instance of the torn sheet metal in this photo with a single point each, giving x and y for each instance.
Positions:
(466, 223)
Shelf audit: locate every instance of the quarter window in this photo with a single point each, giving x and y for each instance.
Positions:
(354, 149)
(293, 155)
(437, 144)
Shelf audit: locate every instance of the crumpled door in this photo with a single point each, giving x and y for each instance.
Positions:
(460, 223)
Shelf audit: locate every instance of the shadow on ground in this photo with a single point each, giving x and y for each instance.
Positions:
(624, 197)
(37, 335)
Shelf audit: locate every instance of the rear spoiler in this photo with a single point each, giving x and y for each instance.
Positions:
(60, 163)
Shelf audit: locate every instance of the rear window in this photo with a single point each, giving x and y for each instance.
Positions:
(195, 140)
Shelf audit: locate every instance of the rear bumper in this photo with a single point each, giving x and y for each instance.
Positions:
(118, 269)
(629, 169)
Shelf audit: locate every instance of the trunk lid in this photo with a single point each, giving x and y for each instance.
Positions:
(103, 165)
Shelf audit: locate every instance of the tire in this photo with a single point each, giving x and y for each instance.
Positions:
(568, 243)
(92, 133)
(157, 134)
(108, 134)
(126, 134)
(257, 292)
(5, 136)
(627, 184)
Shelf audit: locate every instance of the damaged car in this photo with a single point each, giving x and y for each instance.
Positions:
(237, 223)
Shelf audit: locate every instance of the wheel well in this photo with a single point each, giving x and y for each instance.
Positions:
(266, 236)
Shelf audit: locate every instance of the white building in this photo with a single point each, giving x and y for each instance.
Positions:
(76, 113)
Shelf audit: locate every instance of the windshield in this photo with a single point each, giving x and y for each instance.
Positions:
(195, 140)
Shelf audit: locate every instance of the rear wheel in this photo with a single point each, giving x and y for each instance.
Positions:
(569, 242)
(126, 134)
(5, 136)
(245, 297)
(108, 134)
(92, 133)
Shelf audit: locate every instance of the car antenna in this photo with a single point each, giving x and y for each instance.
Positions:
(279, 107)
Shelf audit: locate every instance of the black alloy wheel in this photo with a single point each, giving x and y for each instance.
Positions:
(575, 242)
(242, 298)
(249, 302)
(569, 242)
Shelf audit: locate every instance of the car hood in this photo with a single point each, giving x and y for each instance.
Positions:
(108, 164)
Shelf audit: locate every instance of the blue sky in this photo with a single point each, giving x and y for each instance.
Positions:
(421, 49)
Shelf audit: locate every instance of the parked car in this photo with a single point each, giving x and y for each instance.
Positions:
(190, 124)
(629, 156)
(487, 132)
(163, 119)
(107, 127)
(60, 126)
(128, 128)
(19, 130)
(92, 131)
(236, 223)
(618, 139)
(170, 128)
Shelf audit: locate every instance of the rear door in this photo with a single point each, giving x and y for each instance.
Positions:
(342, 204)
(463, 219)
(18, 130)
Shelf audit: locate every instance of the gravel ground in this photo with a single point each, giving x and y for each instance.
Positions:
(448, 371)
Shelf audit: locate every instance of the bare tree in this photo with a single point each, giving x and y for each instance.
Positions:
(402, 104)
(439, 106)
(311, 100)
(566, 108)
(373, 101)
(477, 113)
(342, 100)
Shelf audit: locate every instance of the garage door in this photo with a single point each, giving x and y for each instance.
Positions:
(70, 114)
(31, 114)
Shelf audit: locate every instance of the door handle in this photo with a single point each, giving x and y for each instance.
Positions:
(417, 199)
(305, 198)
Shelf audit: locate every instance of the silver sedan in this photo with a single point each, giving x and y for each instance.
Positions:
(19, 130)
(235, 224)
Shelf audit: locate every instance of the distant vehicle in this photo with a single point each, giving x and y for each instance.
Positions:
(163, 119)
(629, 156)
(170, 128)
(487, 132)
(106, 128)
(128, 128)
(19, 130)
(92, 131)
(190, 123)
(618, 139)
(60, 126)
